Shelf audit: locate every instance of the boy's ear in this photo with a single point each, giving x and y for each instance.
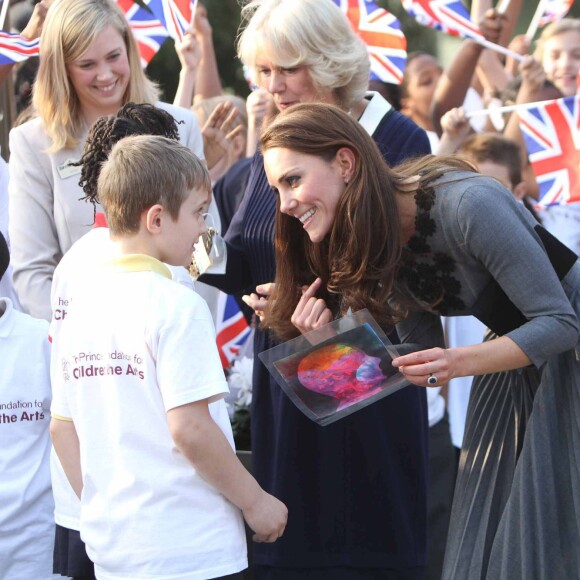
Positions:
(520, 190)
(154, 219)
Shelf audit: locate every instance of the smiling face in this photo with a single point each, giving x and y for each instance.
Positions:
(561, 61)
(179, 236)
(309, 187)
(100, 76)
(288, 86)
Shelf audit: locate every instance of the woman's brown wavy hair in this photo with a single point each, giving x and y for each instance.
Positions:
(358, 260)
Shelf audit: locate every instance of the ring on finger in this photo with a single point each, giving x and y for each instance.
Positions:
(432, 379)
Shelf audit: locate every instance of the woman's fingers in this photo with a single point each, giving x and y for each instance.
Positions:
(266, 289)
(417, 367)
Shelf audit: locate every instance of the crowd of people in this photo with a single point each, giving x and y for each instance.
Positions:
(332, 194)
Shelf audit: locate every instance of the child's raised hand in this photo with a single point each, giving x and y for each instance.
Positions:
(455, 123)
(533, 76)
(267, 517)
(218, 132)
(189, 51)
(491, 25)
(311, 312)
(520, 44)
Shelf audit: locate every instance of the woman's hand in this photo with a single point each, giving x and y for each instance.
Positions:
(491, 25)
(258, 301)
(311, 312)
(418, 367)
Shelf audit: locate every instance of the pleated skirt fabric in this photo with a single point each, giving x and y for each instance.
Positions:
(498, 411)
(516, 510)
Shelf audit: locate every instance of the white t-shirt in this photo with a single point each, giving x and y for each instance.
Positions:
(460, 331)
(6, 285)
(132, 346)
(82, 258)
(26, 522)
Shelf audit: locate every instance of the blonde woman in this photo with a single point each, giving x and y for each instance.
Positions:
(89, 67)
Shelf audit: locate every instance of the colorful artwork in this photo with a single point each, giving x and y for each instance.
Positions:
(342, 372)
(339, 375)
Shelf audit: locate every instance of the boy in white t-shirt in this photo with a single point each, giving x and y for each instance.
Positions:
(26, 505)
(138, 388)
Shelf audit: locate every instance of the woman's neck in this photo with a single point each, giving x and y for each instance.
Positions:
(358, 108)
(407, 213)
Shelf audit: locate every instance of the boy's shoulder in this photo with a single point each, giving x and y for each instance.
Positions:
(14, 323)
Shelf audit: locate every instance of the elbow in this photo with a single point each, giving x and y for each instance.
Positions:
(571, 333)
(187, 437)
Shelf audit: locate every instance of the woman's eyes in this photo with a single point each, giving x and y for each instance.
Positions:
(292, 180)
(89, 64)
(286, 71)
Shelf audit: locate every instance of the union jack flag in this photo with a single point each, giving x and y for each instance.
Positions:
(382, 34)
(175, 15)
(555, 10)
(551, 131)
(232, 329)
(449, 16)
(16, 48)
(148, 31)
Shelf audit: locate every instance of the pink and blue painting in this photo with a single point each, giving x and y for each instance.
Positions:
(339, 376)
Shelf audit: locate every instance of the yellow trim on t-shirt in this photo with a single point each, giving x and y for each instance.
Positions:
(60, 418)
(138, 263)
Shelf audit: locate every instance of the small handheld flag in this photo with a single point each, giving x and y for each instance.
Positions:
(148, 31)
(232, 330)
(15, 48)
(551, 132)
(175, 15)
(382, 34)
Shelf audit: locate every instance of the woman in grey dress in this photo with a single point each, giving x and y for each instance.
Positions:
(433, 237)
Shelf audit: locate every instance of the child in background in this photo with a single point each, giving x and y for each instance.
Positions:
(26, 504)
(138, 388)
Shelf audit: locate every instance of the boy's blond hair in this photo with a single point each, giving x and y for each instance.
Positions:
(145, 170)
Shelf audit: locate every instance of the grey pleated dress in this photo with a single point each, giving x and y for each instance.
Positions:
(516, 510)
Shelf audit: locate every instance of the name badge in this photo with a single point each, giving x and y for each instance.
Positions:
(66, 170)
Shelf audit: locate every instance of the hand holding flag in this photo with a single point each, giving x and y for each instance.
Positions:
(452, 17)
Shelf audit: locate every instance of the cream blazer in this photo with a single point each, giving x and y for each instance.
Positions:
(46, 213)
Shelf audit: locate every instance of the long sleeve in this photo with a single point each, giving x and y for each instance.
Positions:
(34, 239)
(498, 234)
